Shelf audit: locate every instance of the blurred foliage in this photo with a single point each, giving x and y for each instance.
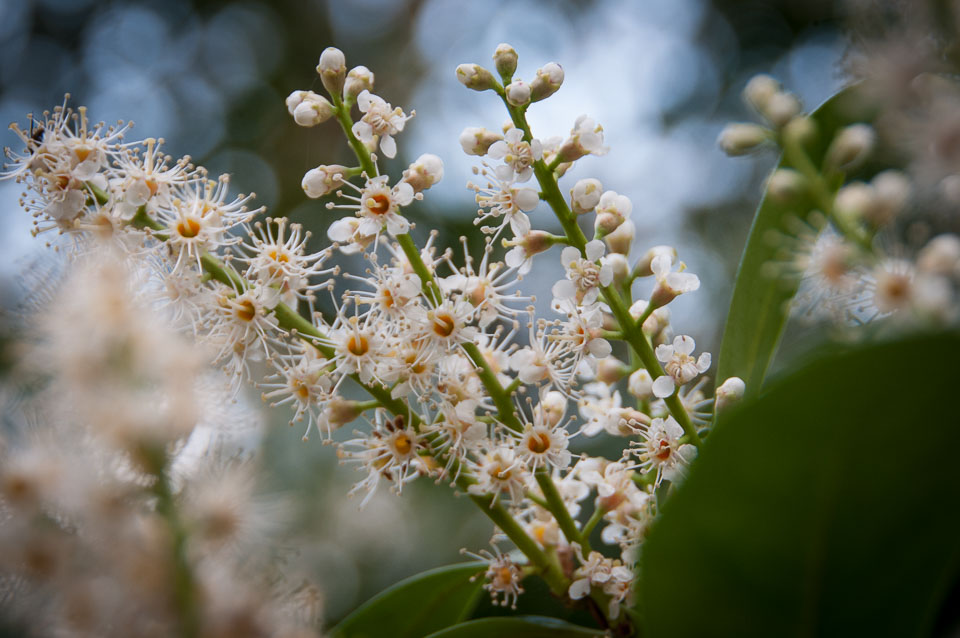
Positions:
(824, 507)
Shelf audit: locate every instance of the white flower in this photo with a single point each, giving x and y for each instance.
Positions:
(518, 93)
(541, 444)
(499, 471)
(612, 210)
(585, 195)
(517, 153)
(584, 276)
(662, 451)
(378, 206)
(503, 198)
(379, 118)
(680, 366)
(585, 138)
(670, 283)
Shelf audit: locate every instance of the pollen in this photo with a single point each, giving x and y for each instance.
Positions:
(538, 442)
(188, 228)
(245, 310)
(402, 444)
(443, 324)
(378, 204)
(358, 345)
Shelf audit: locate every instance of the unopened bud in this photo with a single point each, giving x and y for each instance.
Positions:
(759, 90)
(585, 195)
(341, 411)
(941, 256)
(477, 141)
(850, 147)
(644, 268)
(781, 108)
(332, 69)
(312, 110)
(323, 180)
(505, 59)
(729, 392)
(640, 385)
(892, 190)
(426, 171)
(801, 130)
(619, 265)
(621, 239)
(786, 184)
(474, 76)
(740, 139)
(552, 408)
(854, 202)
(518, 93)
(359, 79)
(294, 99)
(610, 370)
(547, 82)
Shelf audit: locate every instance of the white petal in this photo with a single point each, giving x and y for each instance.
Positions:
(579, 588)
(594, 249)
(664, 353)
(600, 348)
(388, 146)
(660, 265)
(663, 386)
(606, 275)
(526, 198)
(569, 255)
(564, 289)
(703, 363)
(519, 224)
(684, 344)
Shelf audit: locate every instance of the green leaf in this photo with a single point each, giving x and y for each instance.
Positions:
(760, 303)
(516, 627)
(417, 606)
(828, 506)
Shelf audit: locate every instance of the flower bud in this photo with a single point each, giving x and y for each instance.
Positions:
(518, 93)
(332, 69)
(640, 385)
(786, 184)
(618, 263)
(850, 147)
(801, 130)
(322, 180)
(294, 99)
(759, 90)
(524, 248)
(781, 108)
(621, 240)
(552, 408)
(610, 370)
(547, 82)
(853, 202)
(426, 171)
(740, 139)
(312, 110)
(729, 392)
(612, 210)
(891, 191)
(474, 76)
(339, 412)
(359, 79)
(505, 59)
(941, 256)
(585, 195)
(477, 141)
(644, 268)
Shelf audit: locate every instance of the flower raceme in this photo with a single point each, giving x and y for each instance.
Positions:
(437, 343)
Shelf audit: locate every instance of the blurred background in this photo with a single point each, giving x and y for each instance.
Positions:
(661, 76)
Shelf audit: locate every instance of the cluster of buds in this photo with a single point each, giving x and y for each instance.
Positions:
(844, 254)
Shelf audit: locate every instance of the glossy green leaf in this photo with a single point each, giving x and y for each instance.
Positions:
(516, 627)
(828, 506)
(417, 606)
(760, 303)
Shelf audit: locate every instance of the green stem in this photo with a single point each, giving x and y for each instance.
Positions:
(592, 522)
(557, 507)
(500, 396)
